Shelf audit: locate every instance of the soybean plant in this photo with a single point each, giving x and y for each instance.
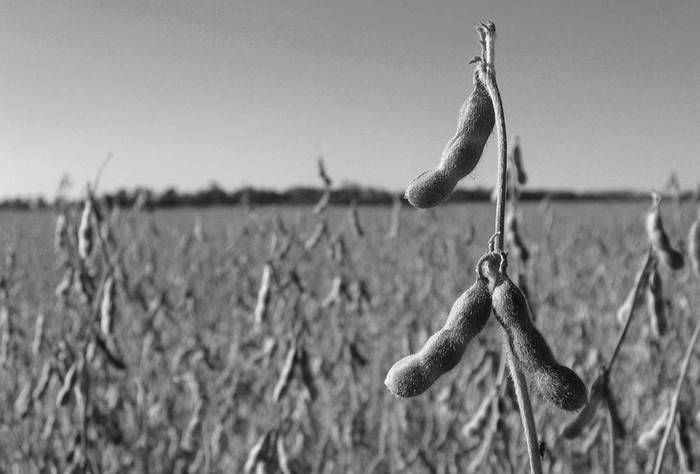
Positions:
(493, 291)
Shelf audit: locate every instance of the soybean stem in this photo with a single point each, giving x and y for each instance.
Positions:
(519, 382)
(639, 283)
(526, 416)
(611, 442)
(488, 77)
(676, 397)
(495, 94)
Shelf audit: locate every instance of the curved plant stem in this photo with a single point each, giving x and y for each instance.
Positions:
(676, 397)
(488, 77)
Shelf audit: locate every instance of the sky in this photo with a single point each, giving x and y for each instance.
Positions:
(603, 94)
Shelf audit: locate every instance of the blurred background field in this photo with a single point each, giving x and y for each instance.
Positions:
(191, 381)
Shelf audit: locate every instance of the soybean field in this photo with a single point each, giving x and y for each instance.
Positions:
(258, 339)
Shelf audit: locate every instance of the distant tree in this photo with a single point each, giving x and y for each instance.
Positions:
(123, 198)
(169, 198)
(302, 195)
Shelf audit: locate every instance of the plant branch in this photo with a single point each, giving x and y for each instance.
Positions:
(611, 441)
(488, 77)
(526, 415)
(638, 286)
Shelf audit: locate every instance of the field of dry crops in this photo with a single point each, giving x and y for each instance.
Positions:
(157, 351)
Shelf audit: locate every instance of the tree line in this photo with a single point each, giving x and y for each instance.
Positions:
(214, 195)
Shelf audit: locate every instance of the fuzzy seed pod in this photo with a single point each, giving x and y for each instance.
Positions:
(656, 305)
(395, 219)
(286, 374)
(65, 284)
(22, 400)
(586, 416)
(515, 242)
(313, 239)
(285, 464)
(85, 234)
(263, 295)
(107, 307)
(6, 334)
(520, 174)
(108, 348)
(694, 245)
(38, 334)
(60, 233)
(323, 202)
(462, 152)
(337, 289)
(650, 438)
(558, 385)
(659, 239)
(198, 230)
(338, 251)
(415, 373)
(189, 442)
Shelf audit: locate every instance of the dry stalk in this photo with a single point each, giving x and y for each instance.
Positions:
(488, 32)
(631, 303)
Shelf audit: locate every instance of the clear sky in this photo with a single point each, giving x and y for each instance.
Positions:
(603, 94)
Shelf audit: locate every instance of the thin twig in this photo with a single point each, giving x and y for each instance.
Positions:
(489, 80)
(676, 397)
(611, 441)
(488, 77)
(502, 165)
(98, 175)
(526, 415)
(639, 285)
